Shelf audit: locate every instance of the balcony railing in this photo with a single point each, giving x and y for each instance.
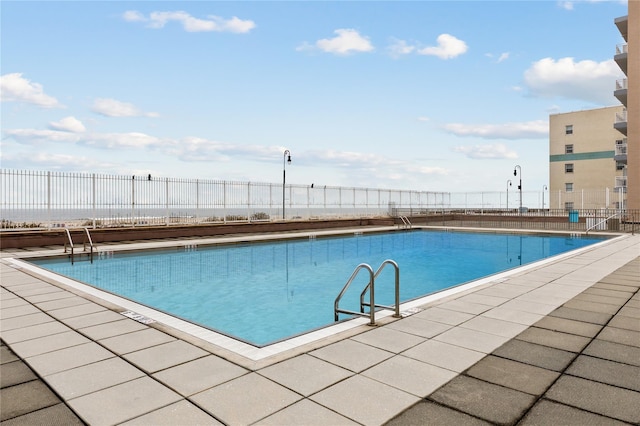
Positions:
(621, 117)
(621, 49)
(622, 84)
(621, 147)
(621, 182)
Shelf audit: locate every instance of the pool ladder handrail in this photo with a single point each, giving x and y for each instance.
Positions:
(396, 306)
(70, 244)
(406, 223)
(371, 288)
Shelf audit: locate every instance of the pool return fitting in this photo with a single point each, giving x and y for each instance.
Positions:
(370, 287)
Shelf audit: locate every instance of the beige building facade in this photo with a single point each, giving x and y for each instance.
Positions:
(582, 151)
(627, 90)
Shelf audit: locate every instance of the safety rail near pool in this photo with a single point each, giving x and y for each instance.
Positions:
(371, 288)
(69, 243)
(406, 223)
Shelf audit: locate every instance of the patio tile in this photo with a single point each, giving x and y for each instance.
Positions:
(419, 327)
(534, 354)
(614, 352)
(113, 328)
(628, 311)
(18, 311)
(14, 373)
(365, 400)
(46, 344)
(465, 307)
(513, 315)
(410, 375)
(592, 306)
(33, 332)
(427, 412)
(484, 299)
(305, 374)
(494, 326)
(581, 315)
(512, 374)
(135, 341)
(604, 371)
(55, 415)
(565, 325)
(445, 316)
(24, 398)
(14, 302)
(24, 321)
(123, 402)
(76, 311)
(67, 358)
(308, 413)
(54, 295)
(352, 355)
(548, 413)
(554, 339)
(245, 400)
(92, 377)
(389, 340)
(95, 318)
(165, 355)
(179, 413)
(6, 354)
(440, 354)
(52, 305)
(200, 374)
(621, 404)
(527, 306)
(485, 400)
(619, 335)
(472, 339)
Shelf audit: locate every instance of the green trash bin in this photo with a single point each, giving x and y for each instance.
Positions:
(573, 216)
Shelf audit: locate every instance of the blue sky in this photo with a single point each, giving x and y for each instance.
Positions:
(425, 95)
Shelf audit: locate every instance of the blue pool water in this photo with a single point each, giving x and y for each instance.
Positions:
(265, 292)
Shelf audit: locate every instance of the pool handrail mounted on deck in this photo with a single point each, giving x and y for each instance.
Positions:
(396, 307)
(70, 244)
(406, 223)
(91, 246)
(594, 226)
(371, 314)
(371, 288)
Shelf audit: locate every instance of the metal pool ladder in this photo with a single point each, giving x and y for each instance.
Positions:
(406, 223)
(70, 241)
(371, 288)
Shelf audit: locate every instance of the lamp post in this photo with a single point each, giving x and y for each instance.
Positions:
(515, 173)
(286, 159)
(508, 185)
(544, 188)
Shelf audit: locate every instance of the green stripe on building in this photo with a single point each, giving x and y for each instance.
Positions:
(582, 156)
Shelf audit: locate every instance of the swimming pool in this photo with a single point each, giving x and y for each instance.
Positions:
(265, 292)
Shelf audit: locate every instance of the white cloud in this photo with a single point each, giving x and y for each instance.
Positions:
(524, 130)
(97, 140)
(400, 47)
(567, 5)
(15, 88)
(190, 23)
(585, 80)
(487, 152)
(68, 124)
(503, 57)
(114, 108)
(347, 41)
(448, 47)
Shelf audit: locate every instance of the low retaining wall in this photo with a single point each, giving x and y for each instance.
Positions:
(58, 236)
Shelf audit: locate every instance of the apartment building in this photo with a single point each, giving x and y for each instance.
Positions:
(627, 91)
(583, 171)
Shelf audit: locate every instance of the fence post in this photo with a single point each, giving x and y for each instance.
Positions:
(93, 181)
(49, 199)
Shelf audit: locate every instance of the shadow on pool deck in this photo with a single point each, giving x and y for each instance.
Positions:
(576, 364)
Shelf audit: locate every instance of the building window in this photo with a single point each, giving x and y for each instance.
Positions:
(568, 168)
(619, 165)
(568, 130)
(568, 149)
(568, 187)
(568, 206)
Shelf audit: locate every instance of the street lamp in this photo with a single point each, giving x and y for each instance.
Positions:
(508, 185)
(544, 188)
(515, 173)
(286, 159)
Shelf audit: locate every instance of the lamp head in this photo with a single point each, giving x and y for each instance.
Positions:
(289, 159)
(515, 172)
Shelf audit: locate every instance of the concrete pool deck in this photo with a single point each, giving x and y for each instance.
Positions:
(554, 344)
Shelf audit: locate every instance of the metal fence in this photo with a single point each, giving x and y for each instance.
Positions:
(36, 199)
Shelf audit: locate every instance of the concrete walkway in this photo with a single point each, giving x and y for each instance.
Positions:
(558, 344)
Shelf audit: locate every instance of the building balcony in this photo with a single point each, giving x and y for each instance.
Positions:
(620, 155)
(623, 25)
(620, 124)
(621, 91)
(621, 183)
(621, 57)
